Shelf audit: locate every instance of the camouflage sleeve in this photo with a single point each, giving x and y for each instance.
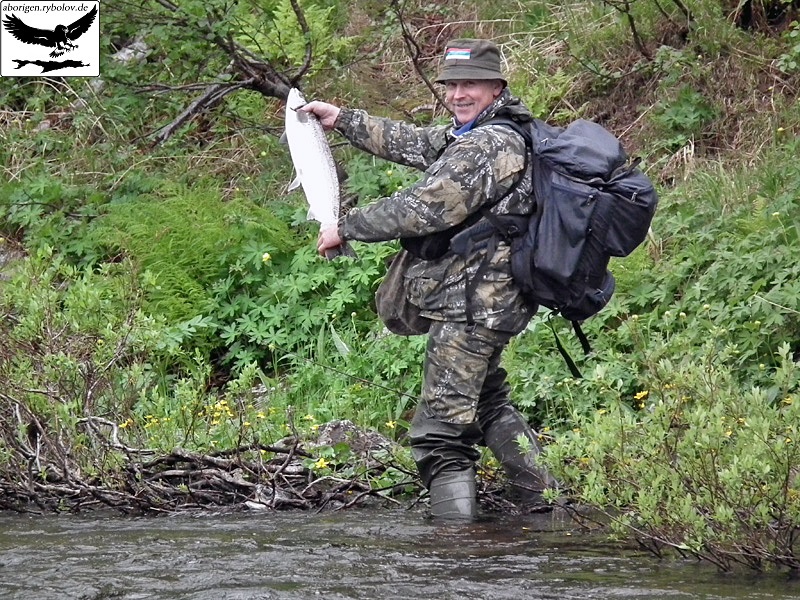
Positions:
(476, 169)
(395, 141)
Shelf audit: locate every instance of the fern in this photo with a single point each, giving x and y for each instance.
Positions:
(183, 240)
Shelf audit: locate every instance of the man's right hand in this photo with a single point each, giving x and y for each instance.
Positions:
(326, 113)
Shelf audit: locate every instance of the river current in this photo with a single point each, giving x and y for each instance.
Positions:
(362, 553)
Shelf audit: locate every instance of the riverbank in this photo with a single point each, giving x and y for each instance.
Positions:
(363, 468)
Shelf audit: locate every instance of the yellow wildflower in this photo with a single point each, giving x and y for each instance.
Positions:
(391, 424)
(266, 257)
(321, 463)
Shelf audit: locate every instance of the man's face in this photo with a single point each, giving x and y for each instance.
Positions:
(468, 97)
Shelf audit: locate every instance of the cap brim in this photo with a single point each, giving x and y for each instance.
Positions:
(469, 72)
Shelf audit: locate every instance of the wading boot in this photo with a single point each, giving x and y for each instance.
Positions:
(527, 480)
(445, 454)
(453, 496)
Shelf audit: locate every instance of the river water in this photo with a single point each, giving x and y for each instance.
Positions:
(361, 553)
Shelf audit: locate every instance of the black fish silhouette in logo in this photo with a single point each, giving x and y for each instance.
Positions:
(50, 65)
(60, 38)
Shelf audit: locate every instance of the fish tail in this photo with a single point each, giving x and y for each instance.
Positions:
(343, 250)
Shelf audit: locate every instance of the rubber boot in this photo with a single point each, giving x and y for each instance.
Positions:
(438, 446)
(454, 496)
(527, 480)
(445, 454)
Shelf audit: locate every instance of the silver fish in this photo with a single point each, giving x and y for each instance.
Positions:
(315, 168)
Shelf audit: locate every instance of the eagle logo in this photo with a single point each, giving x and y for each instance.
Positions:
(60, 38)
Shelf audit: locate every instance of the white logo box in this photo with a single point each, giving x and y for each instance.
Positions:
(62, 42)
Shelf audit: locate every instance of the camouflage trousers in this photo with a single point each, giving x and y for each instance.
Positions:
(464, 389)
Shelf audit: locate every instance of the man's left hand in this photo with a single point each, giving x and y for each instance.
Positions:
(328, 239)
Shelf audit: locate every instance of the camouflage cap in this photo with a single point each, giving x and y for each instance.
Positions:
(471, 59)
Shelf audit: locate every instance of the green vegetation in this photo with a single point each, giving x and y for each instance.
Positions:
(159, 289)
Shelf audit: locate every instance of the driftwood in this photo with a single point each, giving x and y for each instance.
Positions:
(257, 477)
(44, 475)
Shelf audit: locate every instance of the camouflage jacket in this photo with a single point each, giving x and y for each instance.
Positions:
(461, 174)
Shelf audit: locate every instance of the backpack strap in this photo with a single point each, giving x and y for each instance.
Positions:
(576, 326)
(579, 333)
(573, 368)
(506, 231)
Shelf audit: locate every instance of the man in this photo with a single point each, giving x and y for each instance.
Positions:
(465, 396)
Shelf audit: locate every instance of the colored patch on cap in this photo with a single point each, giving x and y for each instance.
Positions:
(458, 54)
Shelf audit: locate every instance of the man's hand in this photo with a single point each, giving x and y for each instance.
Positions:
(326, 113)
(328, 239)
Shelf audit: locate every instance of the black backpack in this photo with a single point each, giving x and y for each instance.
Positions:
(592, 203)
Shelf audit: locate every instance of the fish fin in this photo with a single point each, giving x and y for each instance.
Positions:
(296, 183)
(283, 139)
(345, 250)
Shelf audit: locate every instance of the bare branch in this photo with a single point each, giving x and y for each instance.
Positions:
(212, 96)
(624, 7)
(414, 50)
(248, 70)
(301, 19)
(94, 423)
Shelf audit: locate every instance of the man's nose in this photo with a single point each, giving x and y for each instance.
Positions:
(458, 90)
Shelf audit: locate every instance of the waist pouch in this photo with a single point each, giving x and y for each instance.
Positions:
(394, 308)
